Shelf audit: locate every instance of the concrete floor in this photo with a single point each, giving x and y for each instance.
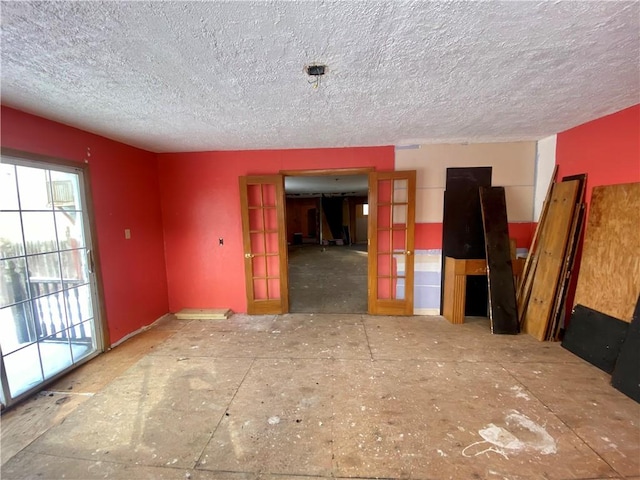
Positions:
(305, 396)
(331, 279)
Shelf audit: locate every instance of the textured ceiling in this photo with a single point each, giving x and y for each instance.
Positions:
(190, 76)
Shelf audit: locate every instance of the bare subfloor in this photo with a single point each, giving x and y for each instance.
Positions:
(304, 396)
(331, 279)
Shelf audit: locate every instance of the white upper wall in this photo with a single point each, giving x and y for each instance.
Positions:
(513, 165)
(545, 163)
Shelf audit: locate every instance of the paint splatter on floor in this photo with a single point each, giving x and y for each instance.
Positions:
(519, 434)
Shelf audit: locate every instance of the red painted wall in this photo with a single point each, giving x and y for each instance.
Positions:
(429, 235)
(201, 203)
(125, 195)
(606, 149)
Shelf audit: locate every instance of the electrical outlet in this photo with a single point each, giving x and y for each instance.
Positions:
(127, 234)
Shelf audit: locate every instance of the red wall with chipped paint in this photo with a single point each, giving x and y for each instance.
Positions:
(125, 190)
(201, 204)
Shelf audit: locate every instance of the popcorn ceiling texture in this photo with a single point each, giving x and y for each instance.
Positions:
(189, 76)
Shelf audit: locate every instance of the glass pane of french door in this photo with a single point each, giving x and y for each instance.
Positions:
(47, 297)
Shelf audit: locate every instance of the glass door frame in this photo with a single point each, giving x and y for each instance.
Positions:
(101, 331)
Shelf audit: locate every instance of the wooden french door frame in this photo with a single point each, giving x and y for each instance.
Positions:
(265, 244)
(378, 305)
(392, 201)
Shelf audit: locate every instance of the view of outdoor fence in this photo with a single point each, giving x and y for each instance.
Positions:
(46, 313)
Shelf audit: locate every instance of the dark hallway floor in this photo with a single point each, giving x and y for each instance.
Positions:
(331, 279)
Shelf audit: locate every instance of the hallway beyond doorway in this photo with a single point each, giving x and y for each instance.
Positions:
(328, 279)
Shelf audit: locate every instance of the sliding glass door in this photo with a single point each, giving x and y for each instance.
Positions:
(48, 303)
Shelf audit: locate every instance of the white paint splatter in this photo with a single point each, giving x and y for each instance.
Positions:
(486, 450)
(536, 438)
(500, 437)
(273, 420)
(543, 442)
(442, 454)
(519, 391)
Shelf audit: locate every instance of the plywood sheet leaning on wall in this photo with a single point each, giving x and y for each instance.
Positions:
(326, 229)
(609, 278)
(552, 250)
(526, 282)
(502, 291)
(567, 270)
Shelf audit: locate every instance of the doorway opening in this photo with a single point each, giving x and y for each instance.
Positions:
(327, 237)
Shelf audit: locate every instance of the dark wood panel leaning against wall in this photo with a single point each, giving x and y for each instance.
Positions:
(626, 374)
(595, 337)
(462, 230)
(502, 290)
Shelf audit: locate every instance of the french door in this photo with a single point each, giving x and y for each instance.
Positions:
(48, 304)
(265, 244)
(391, 243)
(391, 239)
